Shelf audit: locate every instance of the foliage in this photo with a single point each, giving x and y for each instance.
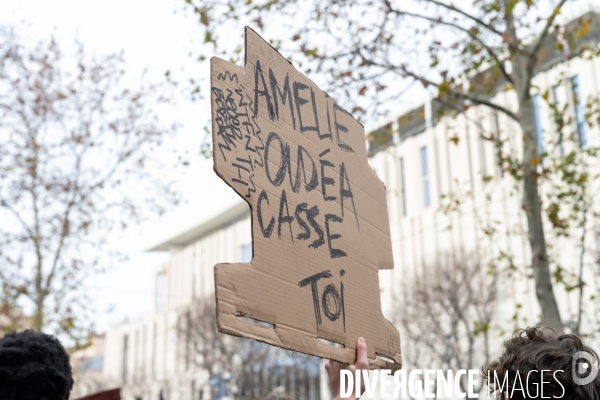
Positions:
(76, 164)
(446, 311)
(365, 52)
(253, 365)
(567, 173)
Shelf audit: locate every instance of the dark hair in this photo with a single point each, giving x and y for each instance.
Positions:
(34, 366)
(537, 349)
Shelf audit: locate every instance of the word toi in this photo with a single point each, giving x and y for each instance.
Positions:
(422, 384)
(332, 299)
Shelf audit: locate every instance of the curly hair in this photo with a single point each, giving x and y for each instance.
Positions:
(532, 352)
(34, 366)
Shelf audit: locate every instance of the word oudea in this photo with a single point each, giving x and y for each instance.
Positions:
(422, 383)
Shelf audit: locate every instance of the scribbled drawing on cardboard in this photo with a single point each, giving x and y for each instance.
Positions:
(319, 215)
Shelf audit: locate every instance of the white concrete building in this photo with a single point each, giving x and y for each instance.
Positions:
(425, 160)
(88, 368)
(147, 357)
(143, 357)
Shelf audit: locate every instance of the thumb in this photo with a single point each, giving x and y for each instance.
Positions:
(361, 354)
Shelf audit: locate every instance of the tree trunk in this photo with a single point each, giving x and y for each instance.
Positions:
(38, 319)
(532, 207)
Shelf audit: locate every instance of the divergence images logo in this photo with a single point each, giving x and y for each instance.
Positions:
(584, 368)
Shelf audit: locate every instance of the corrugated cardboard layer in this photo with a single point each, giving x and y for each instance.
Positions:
(319, 215)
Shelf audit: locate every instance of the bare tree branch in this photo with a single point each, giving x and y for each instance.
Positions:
(542, 36)
(446, 311)
(440, 21)
(403, 71)
(247, 360)
(74, 147)
(453, 8)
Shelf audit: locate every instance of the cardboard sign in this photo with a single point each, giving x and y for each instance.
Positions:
(319, 216)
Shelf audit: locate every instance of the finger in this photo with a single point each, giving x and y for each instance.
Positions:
(361, 354)
(362, 362)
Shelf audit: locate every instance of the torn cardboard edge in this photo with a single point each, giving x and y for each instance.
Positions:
(271, 123)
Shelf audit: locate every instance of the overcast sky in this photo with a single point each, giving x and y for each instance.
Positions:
(156, 37)
(154, 34)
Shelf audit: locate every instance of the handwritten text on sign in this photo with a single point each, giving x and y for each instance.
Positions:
(320, 231)
(269, 154)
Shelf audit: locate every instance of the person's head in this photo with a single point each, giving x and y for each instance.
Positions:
(34, 366)
(536, 354)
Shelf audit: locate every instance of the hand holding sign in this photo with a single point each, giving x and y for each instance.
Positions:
(319, 215)
(342, 388)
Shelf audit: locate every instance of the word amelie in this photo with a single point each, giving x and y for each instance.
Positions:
(307, 121)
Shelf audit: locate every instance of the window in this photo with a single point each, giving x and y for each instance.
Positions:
(161, 292)
(579, 112)
(425, 168)
(125, 356)
(555, 95)
(154, 350)
(188, 339)
(143, 350)
(482, 157)
(247, 253)
(556, 115)
(402, 187)
(497, 145)
(538, 124)
(412, 123)
(136, 353)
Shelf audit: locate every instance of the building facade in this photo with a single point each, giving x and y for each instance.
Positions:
(88, 368)
(149, 357)
(448, 194)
